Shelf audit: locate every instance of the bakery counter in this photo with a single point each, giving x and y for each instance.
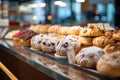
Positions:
(28, 64)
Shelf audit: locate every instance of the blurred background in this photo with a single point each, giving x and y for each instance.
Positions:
(64, 12)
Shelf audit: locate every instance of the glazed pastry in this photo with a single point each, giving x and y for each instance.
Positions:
(109, 64)
(74, 30)
(36, 41)
(86, 40)
(16, 36)
(91, 31)
(110, 48)
(62, 46)
(89, 56)
(116, 35)
(102, 41)
(48, 45)
(26, 37)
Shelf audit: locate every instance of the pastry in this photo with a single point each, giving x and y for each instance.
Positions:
(102, 41)
(109, 64)
(89, 56)
(91, 31)
(86, 40)
(54, 28)
(62, 30)
(108, 32)
(36, 41)
(116, 35)
(63, 44)
(26, 37)
(43, 28)
(48, 45)
(110, 48)
(59, 36)
(74, 30)
(16, 36)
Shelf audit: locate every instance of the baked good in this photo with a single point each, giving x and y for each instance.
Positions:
(74, 30)
(60, 36)
(102, 41)
(26, 37)
(16, 36)
(89, 56)
(54, 28)
(110, 48)
(90, 31)
(48, 44)
(62, 30)
(109, 64)
(36, 41)
(63, 44)
(116, 35)
(10, 34)
(43, 28)
(108, 32)
(86, 40)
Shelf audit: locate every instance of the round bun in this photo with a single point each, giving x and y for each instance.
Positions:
(85, 41)
(62, 46)
(36, 41)
(116, 35)
(89, 56)
(109, 64)
(74, 30)
(49, 44)
(110, 48)
(102, 41)
(90, 31)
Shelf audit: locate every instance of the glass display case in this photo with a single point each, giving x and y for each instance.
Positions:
(56, 68)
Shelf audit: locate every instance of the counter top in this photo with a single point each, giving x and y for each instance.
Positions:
(53, 67)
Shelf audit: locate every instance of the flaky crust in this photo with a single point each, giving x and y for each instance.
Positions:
(109, 65)
(110, 48)
(85, 41)
(90, 31)
(116, 35)
(102, 41)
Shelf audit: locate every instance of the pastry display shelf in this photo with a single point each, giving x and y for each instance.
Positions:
(49, 65)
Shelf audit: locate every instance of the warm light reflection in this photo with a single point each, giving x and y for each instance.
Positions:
(49, 17)
(60, 3)
(80, 0)
(36, 5)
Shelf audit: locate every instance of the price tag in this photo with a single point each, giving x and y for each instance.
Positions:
(4, 22)
(107, 26)
(100, 25)
(71, 55)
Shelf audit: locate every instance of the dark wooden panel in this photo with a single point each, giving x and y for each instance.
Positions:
(20, 69)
